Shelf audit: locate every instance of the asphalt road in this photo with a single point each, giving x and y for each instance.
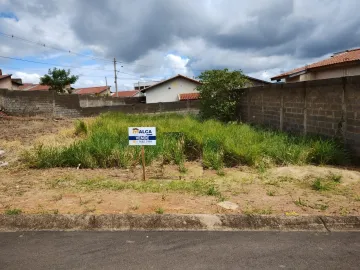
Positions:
(179, 250)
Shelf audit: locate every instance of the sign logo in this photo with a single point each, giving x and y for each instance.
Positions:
(135, 130)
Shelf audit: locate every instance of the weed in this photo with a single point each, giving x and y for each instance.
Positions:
(357, 198)
(182, 169)
(159, 211)
(258, 211)
(344, 211)
(197, 187)
(320, 185)
(56, 211)
(80, 127)
(321, 207)
(163, 197)
(135, 207)
(300, 203)
(270, 193)
(12, 212)
(334, 177)
(183, 138)
(220, 172)
(212, 191)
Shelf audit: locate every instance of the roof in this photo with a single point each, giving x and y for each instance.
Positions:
(170, 79)
(4, 76)
(189, 96)
(26, 86)
(17, 81)
(348, 56)
(257, 80)
(91, 90)
(39, 87)
(125, 93)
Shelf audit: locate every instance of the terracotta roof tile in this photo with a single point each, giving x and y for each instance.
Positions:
(91, 90)
(125, 93)
(39, 87)
(189, 96)
(337, 58)
(26, 86)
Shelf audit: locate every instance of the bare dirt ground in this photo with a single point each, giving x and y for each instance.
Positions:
(281, 190)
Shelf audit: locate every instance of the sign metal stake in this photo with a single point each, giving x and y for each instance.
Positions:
(143, 161)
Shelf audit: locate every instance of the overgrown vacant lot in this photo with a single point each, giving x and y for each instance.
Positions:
(183, 138)
(87, 166)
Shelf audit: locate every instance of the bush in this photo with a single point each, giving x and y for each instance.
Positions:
(220, 93)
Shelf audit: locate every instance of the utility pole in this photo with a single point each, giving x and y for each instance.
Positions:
(115, 77)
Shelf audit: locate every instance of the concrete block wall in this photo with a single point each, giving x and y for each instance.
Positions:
(328, 107)
(50, 104)
(91, 101)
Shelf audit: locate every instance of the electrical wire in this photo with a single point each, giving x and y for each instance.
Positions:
(52, 47)
(89, 56)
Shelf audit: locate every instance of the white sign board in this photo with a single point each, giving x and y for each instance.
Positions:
(142, 135)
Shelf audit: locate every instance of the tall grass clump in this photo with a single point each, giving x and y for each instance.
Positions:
(104, 143)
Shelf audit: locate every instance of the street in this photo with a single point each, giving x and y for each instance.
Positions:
(179, 250)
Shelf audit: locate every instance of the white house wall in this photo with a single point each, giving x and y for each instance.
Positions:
(169, 91)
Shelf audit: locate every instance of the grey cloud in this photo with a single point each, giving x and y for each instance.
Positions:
(130, 29)
(254, 36)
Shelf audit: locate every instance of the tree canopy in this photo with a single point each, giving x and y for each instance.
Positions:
(59, 80)
(220, 93)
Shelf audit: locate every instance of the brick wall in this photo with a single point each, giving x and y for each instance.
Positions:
(328, 107)
(49, 104)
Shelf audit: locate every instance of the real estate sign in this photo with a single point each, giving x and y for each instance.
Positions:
(142, 135)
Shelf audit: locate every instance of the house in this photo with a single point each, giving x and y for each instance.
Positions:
(39, 87)
(341, 64)
(143, 85)
(6, 82)
(130, 93)
(27, 86)
(255, 82)
(181, 88)
(96, 91)
(170, 89)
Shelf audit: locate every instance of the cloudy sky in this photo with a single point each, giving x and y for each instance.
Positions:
(155, 39)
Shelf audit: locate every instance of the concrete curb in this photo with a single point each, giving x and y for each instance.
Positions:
(169, 222)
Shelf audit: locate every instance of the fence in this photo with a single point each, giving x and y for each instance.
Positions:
(328, 107)
(50, 104)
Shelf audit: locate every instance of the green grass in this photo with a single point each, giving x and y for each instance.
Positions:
(320, 185)
(326, 183)
(159, 211)
(12, 212)
(104, 144)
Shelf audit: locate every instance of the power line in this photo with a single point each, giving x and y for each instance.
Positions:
(52, 47)
(89, 56)
(52, 64)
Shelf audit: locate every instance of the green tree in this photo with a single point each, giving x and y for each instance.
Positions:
(59, 80)
(220, 93)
